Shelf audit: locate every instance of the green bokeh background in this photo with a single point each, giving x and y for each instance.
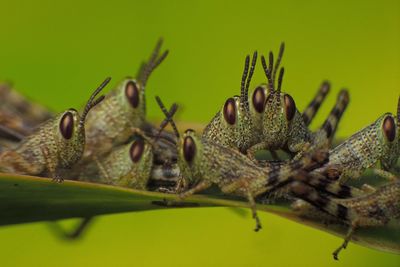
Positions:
(57, 52)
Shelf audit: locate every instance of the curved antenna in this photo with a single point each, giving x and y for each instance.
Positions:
(168, 115)
(267, 72)
(244, 77)
(398, 112)
(154, 60)
(280, 78)
(278, 61)
(92, 102)
(251, 72)
(271, 64)
(271, 70)
(164, 123)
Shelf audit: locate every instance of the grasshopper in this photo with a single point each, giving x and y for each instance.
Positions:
(57, 143)
(111, 123)
(284, 127)
(378, 142)
(203, 163)
(267, 124)
(129, 165)
(373, 209)
(15, 105)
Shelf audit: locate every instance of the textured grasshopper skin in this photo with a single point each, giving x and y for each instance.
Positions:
(284, 127)
(373, 209)
(128, 166)
(111, 123)
(58, 143)
(270, 120)
(378, 142)
(203, 163)
(232, 126)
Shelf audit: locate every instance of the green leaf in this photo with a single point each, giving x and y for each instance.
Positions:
(30, 199)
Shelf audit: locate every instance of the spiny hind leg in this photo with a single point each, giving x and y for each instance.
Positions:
(253, 208)
(346, 241)
(313, 107)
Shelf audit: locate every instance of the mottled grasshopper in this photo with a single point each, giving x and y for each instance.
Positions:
(57, 143)
(129, 165)
(373, 209)
(113, 122)
(271, 121)
(15, 105)
(203, 163)
(378, 142)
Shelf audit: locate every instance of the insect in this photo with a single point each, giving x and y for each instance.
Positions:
(373, 209)
(129, 165)
(378, 142)
(57, 143)
(111, 123)
(264, 123)
(203, 163)
(15, 105)
(283, 125)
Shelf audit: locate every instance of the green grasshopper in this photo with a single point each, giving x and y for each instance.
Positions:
(373, 209)
(130, 165)
(266, 123)
(57, 143)
(203, 163)
(113, 122)
(283, 125)
(378, 142)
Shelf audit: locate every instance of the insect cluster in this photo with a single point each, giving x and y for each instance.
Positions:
(111, 142)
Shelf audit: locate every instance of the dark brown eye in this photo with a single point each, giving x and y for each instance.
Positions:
(230, 111)
(136, 150)
(290, 107)
(132, 93)
(189, 149)
(259, 99)
(389, 128)
(67, 125)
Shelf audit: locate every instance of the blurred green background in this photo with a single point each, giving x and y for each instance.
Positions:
(57, 52)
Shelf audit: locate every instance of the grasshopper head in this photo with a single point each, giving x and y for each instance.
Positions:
(131, 96)
(140, 160)
(389, 137)
(190, 157)
(132, 91)
(279, 108)
(233, 126)
(70, 129)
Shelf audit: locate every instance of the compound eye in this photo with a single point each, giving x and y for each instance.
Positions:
(259, 99)
(189, 149)
(132, 93)
(136, 150)
(389, 128)
(290, 107)
(67, 125)
(230, 111)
